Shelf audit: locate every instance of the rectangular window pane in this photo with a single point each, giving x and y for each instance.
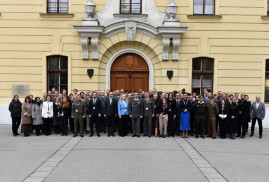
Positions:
(208, 65)
(136, 8)
(52, 78)
(197, 65)
(125, 8)
(196, 83)
(136, 1)
(125, 1)
(267, 88)
(198, 2)
(209, 9)
(198, 9)
(211, 2)
(207, 81)
(53, 63)
(63, 78)
(62, 87)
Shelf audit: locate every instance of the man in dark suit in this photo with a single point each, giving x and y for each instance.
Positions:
(244, 110)
(257, 112)
(110, 112)
(95, 111)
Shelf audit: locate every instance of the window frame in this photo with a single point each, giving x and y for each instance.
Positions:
(130, 10)
(266, 74)
(267, 7)
(58, 8)
(57, 71)
(204, 5)
(203, 72)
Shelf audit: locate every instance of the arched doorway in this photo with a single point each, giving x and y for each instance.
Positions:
(129, 71)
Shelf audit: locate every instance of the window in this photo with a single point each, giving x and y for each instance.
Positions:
(130, 6)
(57, 6)
(202, 74)
(204, 7)
(57, 72)
(268, 7)
(267, 81)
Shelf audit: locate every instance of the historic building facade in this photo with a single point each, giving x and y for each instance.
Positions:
(111, 44)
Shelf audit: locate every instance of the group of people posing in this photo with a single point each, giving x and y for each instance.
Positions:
(140, 113)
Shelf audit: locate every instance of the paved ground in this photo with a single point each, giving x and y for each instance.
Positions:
(57, 158)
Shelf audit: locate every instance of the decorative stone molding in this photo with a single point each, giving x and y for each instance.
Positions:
(166, 44)
(152, 22)
(130, 30)
(176, 43)
(85, 47)
(94, 42)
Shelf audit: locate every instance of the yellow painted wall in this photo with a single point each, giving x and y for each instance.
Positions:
(238, 40)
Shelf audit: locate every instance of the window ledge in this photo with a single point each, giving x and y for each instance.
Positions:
(131, 15)
(204, 16)
(57, 15)
(265, 17)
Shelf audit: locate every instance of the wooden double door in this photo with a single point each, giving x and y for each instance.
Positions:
(129, 71)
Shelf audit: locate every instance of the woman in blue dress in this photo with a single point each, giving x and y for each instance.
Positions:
(185, 106)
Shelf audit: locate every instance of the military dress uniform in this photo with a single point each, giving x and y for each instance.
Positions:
(200, 118)
(78, 111)
(213, 111)
(148, 111)
(136, 110)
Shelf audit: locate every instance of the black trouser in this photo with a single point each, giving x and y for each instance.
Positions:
(222, 127)
(123, 125)
(147, 125)
(200, 123)
(110, 124)
(71, 124)
(103, 124)
(37, 129)
(253, 125)
(192, 122)
(243, 124)
(16, 121)
(178, 124)
(94, 122)
(47, 123)
(171, 124)
(233, 123)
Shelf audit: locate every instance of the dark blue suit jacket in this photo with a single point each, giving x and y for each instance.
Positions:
(95, 109)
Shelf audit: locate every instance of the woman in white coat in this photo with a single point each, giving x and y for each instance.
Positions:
(47, 115)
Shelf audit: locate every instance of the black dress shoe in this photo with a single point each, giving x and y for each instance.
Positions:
(260, 136)
(62, 134)
(196, 136)
(160, 136)
(75, 135)
(113, 135)
(243, 136)
(14, 135)
(137, 136)
(17, 133)
(237, 135)
(108, 135)
(251, 135)
(214, 137)
(202, 136)
(134, 135)
(81, 135)
(91, 135)
(164, 136)
(149, 136)
(98, 134)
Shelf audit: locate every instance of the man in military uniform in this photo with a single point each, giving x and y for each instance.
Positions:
(213, 111)
(136, 108)
(78, 112)
(148, 113)
(200, 117)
